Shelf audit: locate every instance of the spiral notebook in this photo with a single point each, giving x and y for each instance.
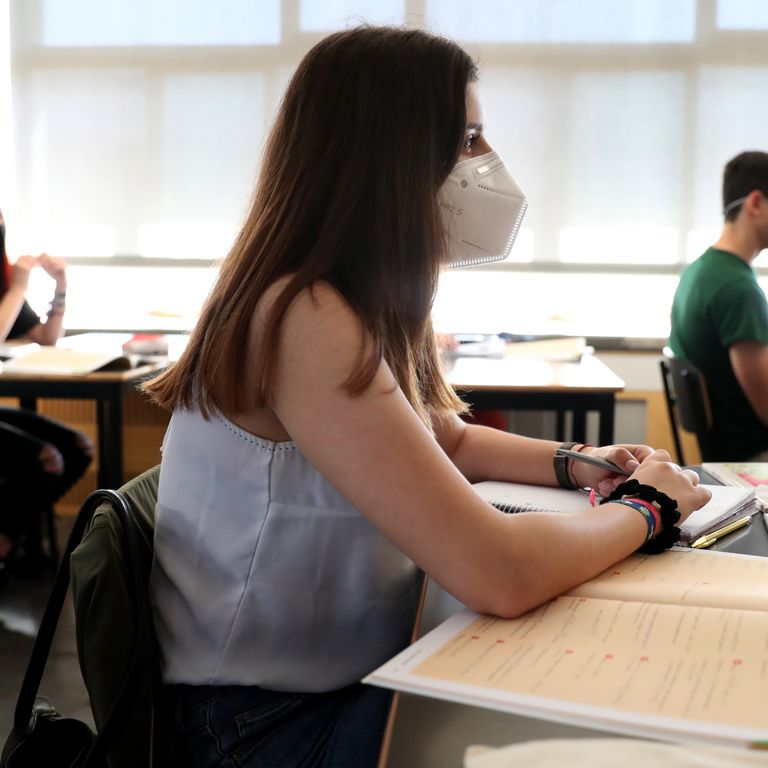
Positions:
(727, 503)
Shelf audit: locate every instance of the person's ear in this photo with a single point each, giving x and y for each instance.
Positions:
(754, 200)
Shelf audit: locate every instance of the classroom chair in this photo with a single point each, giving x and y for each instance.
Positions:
(685, 389)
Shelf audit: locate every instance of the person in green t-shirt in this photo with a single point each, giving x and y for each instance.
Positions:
(720, 315)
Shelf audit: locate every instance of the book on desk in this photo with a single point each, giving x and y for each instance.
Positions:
(560, 349)
(671, 646)
(728, 503)
(85, 353)
(69, 362)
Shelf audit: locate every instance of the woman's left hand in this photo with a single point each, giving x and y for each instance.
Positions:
(628, 457)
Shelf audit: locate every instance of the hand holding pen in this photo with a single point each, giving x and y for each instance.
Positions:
(608, 467)
(604, 468)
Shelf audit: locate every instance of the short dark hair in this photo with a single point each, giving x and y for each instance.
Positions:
(743, 174)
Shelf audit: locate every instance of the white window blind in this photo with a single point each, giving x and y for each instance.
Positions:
(137, 125)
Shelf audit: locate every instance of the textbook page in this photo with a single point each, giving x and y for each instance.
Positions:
(692, 577)
(663, 671)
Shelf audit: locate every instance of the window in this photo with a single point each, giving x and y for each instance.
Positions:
(336, 14)
(742, 14)
(566, 21)
(83, 23)
(137, 125)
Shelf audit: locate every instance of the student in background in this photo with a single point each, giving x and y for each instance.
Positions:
(41, 459)
(720, 315)
(315, 463)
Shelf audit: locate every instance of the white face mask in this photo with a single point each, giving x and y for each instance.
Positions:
(482, 209)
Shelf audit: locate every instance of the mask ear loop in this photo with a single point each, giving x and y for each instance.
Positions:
(734, 204)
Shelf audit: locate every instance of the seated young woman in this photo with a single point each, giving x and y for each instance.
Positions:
(315, 464)
(41, 458)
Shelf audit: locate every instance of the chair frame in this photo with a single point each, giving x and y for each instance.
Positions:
(688, 406)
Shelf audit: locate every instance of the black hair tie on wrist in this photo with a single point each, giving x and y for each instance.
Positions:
(668, 513)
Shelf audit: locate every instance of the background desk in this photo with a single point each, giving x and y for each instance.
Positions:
(106, 388)
(429, 732)
(519, 383)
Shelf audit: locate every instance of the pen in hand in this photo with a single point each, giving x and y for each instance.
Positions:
(587, 458)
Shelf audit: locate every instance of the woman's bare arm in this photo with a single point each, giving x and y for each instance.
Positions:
(375, 450)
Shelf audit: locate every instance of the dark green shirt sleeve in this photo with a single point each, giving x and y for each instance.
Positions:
(740, 313)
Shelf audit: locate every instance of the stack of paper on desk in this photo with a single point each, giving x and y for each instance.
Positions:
(727, 503)
(669, 646)
(53, 361)
(565, 349)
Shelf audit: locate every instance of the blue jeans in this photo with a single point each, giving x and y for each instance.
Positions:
(249, 727)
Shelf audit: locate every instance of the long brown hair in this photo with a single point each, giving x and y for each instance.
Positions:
(370, 125)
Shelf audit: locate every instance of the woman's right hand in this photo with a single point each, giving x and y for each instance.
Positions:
(679, 484)
(20, 272)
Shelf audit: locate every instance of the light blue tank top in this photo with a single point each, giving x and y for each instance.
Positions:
(264, 574)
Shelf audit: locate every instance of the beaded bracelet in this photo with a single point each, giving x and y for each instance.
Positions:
(668, 514)
(57, 305)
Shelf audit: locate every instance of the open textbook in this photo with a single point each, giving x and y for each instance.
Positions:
(57, 361)
(671, 646)
(727, 503)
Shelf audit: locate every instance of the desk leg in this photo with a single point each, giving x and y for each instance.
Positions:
(560, 426)
(607, 416)
(579, 426)
(109, 415)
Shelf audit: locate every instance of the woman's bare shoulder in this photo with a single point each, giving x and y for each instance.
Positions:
(314, 307)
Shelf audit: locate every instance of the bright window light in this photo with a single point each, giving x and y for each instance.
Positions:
(522, 251)
(186, 239)
(317, 16)
(566, 21)
(6, 108)
(78, 23)
(742, 14)
(698, 241)
(609, 245)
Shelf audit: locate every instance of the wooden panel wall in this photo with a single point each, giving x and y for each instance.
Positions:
(658, 430)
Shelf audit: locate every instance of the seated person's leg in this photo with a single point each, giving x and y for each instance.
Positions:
(338, 729)
(26, 488)
(75, 449)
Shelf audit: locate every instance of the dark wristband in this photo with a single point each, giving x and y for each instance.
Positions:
(560, 464)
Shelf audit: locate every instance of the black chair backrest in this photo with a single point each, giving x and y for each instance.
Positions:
(687, 402)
